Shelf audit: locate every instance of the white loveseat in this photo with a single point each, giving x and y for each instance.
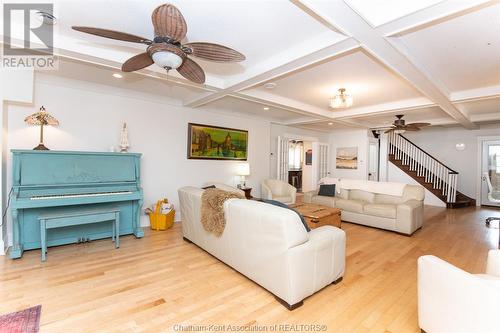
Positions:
(269, 245)
(368, 203)
(451, 300)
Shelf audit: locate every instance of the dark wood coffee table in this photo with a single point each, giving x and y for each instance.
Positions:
(318, 215)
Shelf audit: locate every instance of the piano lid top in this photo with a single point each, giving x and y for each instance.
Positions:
(40, 168)
(69, 152)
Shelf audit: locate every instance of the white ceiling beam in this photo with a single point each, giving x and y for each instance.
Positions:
(285, 103)
(398, 106)
(475, 94)
(438, 13)
(331, 51)
(374, 42)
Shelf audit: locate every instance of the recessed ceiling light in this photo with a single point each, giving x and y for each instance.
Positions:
(270, 85)
(265, 108)
(117, 75)
(330, 124)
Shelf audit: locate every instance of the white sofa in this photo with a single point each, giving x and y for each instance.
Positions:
(269, 245)
(274, 189)
(368, 205)
(451, 300)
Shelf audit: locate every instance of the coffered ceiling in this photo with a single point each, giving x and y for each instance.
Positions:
(434, 61)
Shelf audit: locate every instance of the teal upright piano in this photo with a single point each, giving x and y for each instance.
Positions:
(47, 181)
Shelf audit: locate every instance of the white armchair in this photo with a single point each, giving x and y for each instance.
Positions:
(451, 300)
(274, 189)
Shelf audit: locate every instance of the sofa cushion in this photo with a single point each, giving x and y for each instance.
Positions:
(387, 199)
(355, 206)
(343, 193)
(361, 195)
(327, 190)
(381, 210)
(323, 200)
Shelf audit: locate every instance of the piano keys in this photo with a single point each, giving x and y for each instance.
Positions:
(48, 181)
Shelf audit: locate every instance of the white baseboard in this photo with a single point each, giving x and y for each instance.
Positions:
(3, 249)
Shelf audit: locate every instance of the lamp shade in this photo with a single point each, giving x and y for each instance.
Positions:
(41, 117)
(243, 169)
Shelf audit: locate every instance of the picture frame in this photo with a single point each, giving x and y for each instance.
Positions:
(208, 142)
(347, 158)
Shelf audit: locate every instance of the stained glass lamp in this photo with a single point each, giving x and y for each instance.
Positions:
(41, 118)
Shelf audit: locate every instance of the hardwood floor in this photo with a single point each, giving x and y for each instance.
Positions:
(151, 284)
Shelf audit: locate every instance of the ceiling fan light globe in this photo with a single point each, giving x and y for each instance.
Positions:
(167, 60)
(399, 131)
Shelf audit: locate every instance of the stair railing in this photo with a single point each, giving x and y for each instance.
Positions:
(434, 172)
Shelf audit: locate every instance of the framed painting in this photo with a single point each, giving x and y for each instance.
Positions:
(347, 158)
(216, 143)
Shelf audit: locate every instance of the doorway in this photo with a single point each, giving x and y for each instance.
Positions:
(490, 167)
(373, 159)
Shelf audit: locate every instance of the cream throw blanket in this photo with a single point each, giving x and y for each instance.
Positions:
(212, 209)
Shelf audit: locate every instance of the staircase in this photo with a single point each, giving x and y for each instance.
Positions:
(427, 171)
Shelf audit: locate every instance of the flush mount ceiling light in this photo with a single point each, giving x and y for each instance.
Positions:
(330, 124)
(117, 75)
(270, 85)
(265, 108)
(341, 100)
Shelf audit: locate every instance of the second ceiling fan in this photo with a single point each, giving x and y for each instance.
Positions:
(399, 126)
(166, 49)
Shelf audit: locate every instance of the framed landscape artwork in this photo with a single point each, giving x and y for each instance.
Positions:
(216, 143)
(347, 158)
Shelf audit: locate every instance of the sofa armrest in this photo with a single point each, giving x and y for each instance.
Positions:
(409, 216)
(493, 263)
(316, 263)
(451, 300)
(266, 192)
(309, 195)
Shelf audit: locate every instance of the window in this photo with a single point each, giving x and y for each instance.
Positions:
(295, 153)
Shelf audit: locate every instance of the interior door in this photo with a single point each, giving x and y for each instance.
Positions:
(282, 159)
(320, 161)
(491, 169)
(373, 160)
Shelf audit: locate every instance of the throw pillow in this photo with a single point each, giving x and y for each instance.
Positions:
(280, 204)
(327, 190)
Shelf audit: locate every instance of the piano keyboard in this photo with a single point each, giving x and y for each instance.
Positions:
(67, 196)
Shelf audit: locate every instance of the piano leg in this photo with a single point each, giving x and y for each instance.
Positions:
(17, 249)
(138, 232)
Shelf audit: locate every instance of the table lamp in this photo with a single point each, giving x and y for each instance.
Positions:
(243, 170)
(41, 118)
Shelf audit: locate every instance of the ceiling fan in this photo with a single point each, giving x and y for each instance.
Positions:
(399, 126)
(166, 49)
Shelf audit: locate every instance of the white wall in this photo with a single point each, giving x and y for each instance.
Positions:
(440, 142)
(395, 174)
(350, 138)
(91, 116)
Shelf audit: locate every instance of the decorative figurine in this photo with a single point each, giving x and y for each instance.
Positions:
(124, 144)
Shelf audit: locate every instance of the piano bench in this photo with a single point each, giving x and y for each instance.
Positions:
(78, 216)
